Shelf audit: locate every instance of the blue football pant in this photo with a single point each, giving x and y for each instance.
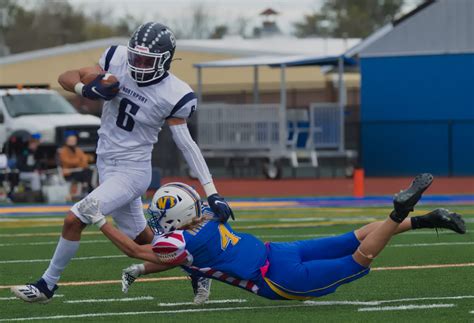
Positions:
(312, 268)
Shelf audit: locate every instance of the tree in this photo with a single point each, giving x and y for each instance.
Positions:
(312, 25)
(219, 32)
(344, 18)
(52, 23)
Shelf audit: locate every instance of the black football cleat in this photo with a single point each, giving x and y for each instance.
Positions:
(405, 201)
(440, 218)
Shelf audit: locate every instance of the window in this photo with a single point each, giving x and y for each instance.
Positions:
(37, 104)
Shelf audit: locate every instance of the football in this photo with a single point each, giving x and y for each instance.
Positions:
(107, 80)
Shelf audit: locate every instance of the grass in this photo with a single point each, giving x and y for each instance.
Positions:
(34, 238)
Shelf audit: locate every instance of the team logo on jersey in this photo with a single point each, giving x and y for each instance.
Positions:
(166, 202)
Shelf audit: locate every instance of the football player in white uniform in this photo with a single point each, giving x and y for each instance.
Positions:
(149, 96)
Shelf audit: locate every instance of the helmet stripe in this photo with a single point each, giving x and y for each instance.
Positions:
(193, 195)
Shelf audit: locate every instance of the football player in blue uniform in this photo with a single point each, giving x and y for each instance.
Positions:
(297, 270)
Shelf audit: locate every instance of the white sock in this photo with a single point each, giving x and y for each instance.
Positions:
(65, 251)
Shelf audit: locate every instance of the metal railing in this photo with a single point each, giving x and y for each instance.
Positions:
(238, 127)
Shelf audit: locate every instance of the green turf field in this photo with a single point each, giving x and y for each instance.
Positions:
(394, 295)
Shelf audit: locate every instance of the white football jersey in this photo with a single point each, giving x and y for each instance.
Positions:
(131, 121)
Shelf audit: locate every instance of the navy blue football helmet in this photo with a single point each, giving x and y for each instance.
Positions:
(150, 51)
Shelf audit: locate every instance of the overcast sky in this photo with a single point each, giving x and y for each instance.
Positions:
(221, 11)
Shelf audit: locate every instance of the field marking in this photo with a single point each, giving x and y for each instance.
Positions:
(108, 300)
(223, 301)
(23, 261)
(57, 234)
(197, 310)
(41, 243)
(390, 300)
(146, 298)
(469, 264)
(403, 307)
(44, 234)
(54, 242)
(107, 314)
(157, 279)
(216, 301)
(436, 244)
(13, 297)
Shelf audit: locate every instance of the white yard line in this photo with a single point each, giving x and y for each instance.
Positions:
(436, 244)
(469, 264)
(148, 298)
(108, 314)
(379, 302)
(54, 242)
(13, 298)
(110, 300)
(48, 243)
(403, 307)
(57, 234)
(24, 261)
(158, 279)
(216, 301)
(43, 234)
(200, 310)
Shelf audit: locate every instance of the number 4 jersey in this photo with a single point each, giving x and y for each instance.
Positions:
(131, 121)
(214, 250)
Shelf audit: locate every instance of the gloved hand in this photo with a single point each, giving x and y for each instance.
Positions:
(90, 210)
(96, 90)
(220, 207)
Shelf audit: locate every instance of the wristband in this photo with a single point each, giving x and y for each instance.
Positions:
(209, 188)
(78, 88)
(101, 223)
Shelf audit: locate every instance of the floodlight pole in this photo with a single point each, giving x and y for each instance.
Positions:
(282, 110)
(342, 102)
(256, 98)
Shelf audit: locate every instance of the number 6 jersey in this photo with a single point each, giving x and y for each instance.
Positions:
(130, 122)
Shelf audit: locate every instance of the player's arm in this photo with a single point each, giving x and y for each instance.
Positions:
(131, 248)
(69, 79)
(90, 210)
(196, 162)
(94, 90)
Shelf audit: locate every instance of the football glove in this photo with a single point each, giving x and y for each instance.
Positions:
(96, 90)
(90, 210)
(220, 207)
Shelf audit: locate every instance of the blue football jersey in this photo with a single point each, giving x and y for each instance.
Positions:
(215, 250)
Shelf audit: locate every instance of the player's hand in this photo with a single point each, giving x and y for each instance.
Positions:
(220, 207)
(129, 275)
(96, 90)
(90, 210)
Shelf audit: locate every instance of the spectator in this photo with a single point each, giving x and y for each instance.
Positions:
(8, 177)
(75, 163)
(27, 163)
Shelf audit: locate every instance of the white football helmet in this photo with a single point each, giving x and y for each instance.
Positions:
(173, 205)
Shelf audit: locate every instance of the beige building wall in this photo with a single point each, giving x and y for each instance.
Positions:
(45, 70)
